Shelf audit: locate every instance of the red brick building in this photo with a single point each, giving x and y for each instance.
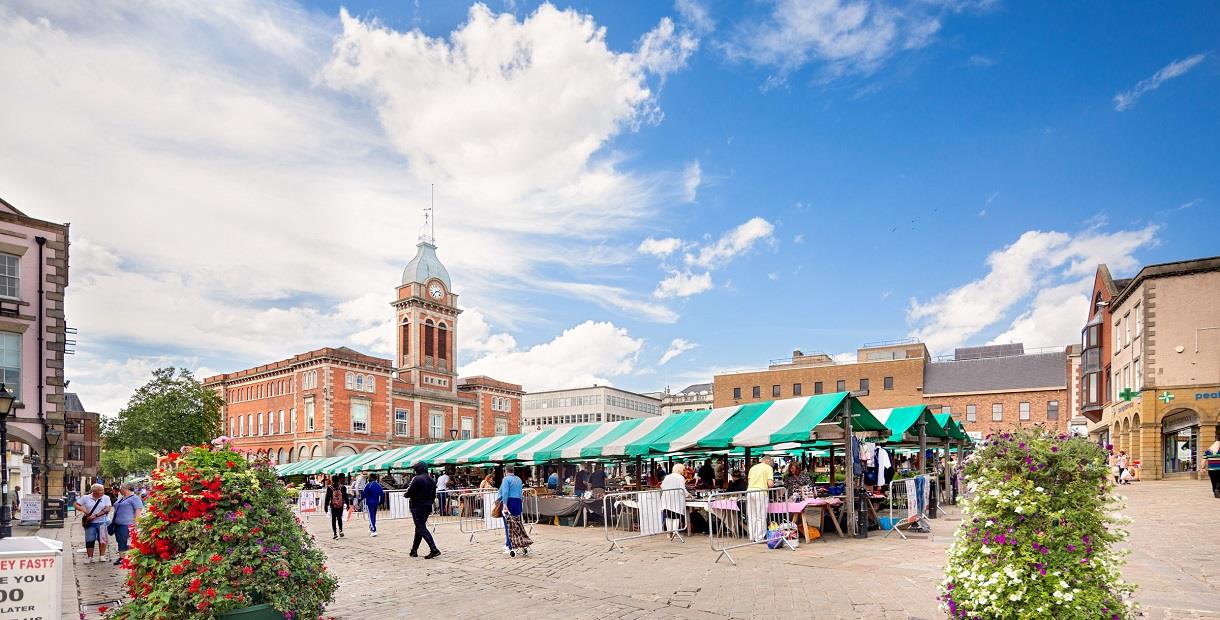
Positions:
(337, 401)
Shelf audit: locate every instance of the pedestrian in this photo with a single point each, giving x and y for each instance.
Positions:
(1121, 463)
(96, 507)
(737, 482)
(761, 478)
(420, 494)
(1213, 467)
(598, 481)
(673, 500)
(721, 469)
(17, 500)
(371, 496)
(581, 484)
(336, 502)
(707, 475)
(489, 482)
(126, 511)
(442, 492)
(510, 506)
(357, 488)
(552, 481)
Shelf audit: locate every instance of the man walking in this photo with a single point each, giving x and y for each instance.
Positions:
(371, 494)
(761, 478)
(421, 491)
(442, 492)
(96, 507)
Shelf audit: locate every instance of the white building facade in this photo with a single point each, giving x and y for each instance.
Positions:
(590, 405)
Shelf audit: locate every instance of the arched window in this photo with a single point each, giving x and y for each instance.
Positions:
(429, 347)
(317, 452)
(370, 383)
(359, 382)
(349, 380)
(443, 342)
(301, 453)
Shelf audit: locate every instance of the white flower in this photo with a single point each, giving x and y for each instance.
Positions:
(994, 493)
(1016, 492)
(1018, 510)
(1039, 489)
(1067, 596)
(986, 550)
(1016, 596)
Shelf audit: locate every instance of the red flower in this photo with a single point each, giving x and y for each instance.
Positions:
(195, 585)
(101, 609)
(230, 464)
(210, 592)
(172, 456)
(216, 558)
(247, 570)
(177, 569)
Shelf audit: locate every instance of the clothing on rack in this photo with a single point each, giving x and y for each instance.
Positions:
(884, 466)
(856, 468)
(868, 452)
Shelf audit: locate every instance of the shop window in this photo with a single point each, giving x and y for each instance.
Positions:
(736, 393)
(817, 387)
(971, 413)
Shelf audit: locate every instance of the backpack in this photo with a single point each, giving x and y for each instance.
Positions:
(336, 498)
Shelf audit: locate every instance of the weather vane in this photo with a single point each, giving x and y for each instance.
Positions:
(429, 231)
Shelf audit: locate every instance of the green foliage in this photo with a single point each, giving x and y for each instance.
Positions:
(122, 462)
(1038, 533)
(170, 411)
(219, 535)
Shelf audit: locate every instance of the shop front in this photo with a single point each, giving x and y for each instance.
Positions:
(1180, 442)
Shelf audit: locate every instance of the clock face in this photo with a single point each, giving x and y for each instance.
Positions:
(436, 291)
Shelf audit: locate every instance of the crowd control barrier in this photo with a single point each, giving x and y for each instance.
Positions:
(744, 518)
(478, 505)
(640, 514)
(908, 501)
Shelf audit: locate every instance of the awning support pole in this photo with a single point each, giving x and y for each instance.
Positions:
(848, 468)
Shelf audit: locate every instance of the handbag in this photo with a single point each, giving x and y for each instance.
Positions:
(112, 528)
(85, 519)
(497, 511)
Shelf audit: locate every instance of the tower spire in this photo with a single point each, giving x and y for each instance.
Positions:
(428, 234)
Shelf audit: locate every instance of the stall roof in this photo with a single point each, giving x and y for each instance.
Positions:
(900, 420)
(954, 427)
(312, 466)
(793, 419)
(341, 461)
(553, 445)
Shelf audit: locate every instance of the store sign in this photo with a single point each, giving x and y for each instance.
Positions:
(1206, 395)
(31, 578)
(31, 509)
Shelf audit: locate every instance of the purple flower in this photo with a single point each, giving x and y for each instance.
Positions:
(1044, 550)
(1085, 539)
(282, 573)
(1001, 539)
(1071, 547)
(1054, 448)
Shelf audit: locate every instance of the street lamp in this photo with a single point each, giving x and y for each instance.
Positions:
(452, 434)
(6, 516)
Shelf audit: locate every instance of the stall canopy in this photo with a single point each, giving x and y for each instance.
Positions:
(903, 420)
(356, 464)
(305, 468)
(952, 427)
(790, 420)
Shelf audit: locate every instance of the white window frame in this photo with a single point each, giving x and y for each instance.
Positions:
(368, 414)
(310, 410)
(6, 277)
(1127, 329)
(402, 424)
(261, 428)
(1023, 410)
(282, 427)
(1139, 319)
(501, 426)
(1139, 373)
(436, 425)
(466, 428)
(10, 353)
(1048, 410)
(997, 412)
(349, 380)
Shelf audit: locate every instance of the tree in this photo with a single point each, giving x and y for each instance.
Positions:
(170, 411)
(122, 462)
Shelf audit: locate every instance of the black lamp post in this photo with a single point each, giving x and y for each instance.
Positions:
(52, 435)
(6, 514)
(452, 434)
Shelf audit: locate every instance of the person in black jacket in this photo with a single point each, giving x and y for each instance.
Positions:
(420, 493)
(336, 502)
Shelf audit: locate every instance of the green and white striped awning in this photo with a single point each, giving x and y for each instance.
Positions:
(953, 427)
(524, 444)
(545, 449)
(792, 419)
(903, 420)
(309, 467)
(356, 464)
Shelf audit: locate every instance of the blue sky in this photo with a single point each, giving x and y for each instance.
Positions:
(633, 193)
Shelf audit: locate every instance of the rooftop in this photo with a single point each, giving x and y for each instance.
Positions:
(994, 373)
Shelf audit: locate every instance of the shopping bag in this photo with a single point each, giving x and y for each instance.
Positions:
(347, 516)
(498, 510)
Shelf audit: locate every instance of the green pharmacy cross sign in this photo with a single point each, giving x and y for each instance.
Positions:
(1165, 397)
(1128, 394)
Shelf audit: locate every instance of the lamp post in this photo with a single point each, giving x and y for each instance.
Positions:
(6, 515)
(52, 435)
(452, 434)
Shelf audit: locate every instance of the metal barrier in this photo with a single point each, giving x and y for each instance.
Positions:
(639, 514)
(483, 501)
(744, 518)
(908, 501)
(455, 508)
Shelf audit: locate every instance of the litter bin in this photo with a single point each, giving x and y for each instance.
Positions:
(54, 516)
(933, 497)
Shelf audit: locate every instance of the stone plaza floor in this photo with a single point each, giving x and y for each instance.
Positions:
(571, 573)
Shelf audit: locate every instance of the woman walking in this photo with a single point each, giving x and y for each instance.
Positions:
(336, 502)
(126, 511)
(96, 507)
(510, 503)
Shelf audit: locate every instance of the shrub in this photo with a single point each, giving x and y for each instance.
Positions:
(218, 536)
(1038, 533)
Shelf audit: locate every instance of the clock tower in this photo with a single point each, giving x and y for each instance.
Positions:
(426, 315)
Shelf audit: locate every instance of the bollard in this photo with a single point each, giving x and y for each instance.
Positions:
(862, 506)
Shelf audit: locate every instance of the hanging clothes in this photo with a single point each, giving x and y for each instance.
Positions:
(883, 466)
(868, 453)
(856, 468)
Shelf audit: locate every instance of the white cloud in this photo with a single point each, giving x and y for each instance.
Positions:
(732, 244)
(665, 49)
(676, 347)
(692, 177)
(979, 60)
(1049, 263)
(1054, 317)
(262, 187)
(1182, 207)
(842, 36)
(799, 238)
(613, 297)
(105, 384)
(696, 16)
(592, 352)
(683, 284)
(1177, 68)
(772, 276)
(660, 248)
